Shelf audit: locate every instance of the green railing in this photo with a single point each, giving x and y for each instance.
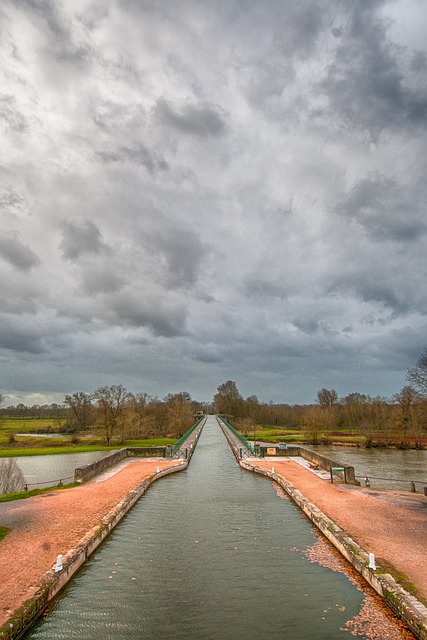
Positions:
(183, 438)
(238, 435)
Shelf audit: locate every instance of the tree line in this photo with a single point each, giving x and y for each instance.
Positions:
(117, 413)
(123, 415)
(401, 419)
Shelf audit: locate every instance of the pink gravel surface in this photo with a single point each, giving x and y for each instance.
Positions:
(44, 526)
(390, 524)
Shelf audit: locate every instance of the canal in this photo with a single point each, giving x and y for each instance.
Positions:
(212, 552)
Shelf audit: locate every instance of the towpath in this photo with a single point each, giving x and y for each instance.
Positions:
(390, 524)
(44, 526)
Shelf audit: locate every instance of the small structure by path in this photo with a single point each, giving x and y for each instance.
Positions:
(390, 524)
(55, 523)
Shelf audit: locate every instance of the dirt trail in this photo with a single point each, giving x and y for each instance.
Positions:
(53, 523)
(390, 524)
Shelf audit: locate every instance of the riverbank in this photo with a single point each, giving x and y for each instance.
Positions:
(65, 522)
(389, 524)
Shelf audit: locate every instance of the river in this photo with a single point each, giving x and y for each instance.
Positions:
(386, 468)
(48, 470)
(210, 553)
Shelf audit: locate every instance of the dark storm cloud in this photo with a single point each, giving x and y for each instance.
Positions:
(183, 252)
(366, 84)
(137, 154)
(198, 119)
(20, 335)
(385, 209)
(19, 255)
(81, 238)
(161, 317)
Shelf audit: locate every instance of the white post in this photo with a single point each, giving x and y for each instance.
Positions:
(372, 561)
(58, 566)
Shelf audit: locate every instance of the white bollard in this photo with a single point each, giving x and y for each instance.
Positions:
(372, 564)
(58, 566)
(158, 469)
(272, 469)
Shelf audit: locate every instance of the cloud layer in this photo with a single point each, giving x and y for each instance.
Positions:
(197, 192)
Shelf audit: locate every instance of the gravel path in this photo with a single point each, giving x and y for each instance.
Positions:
(390, 524)
(53, 523)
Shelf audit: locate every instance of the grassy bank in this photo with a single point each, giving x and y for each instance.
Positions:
(345, 437)
(21, 495)
(29, 443)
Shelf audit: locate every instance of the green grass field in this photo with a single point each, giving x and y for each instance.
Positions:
(12, 445)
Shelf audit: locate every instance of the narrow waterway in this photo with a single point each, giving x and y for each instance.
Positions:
(209, 553)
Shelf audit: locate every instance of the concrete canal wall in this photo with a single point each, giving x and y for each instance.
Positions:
(89, 471)
(312, 457)
(410, 610)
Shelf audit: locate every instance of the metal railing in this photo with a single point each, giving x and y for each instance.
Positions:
(402, 481)
(183, 438)
(47, 483)
(238, 435)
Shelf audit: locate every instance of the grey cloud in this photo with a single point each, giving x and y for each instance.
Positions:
(159, 315)
(366, 84)
(18, 335)
(110, 115)
(19, 255)
(49, 12)
(102, 279)
(257, 287)
(137, 154)
(183, 251)
(299, 38)
(385, 209)
(81, 238)
(311, 326)
(198, 119)
(369, 286)
(10, 200)
(11, 115)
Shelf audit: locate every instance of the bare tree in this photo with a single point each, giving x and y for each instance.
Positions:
(81, 409)
(228, 400)
(417, 376)
(327, 397)
(180, 411)
(11, 476)
(111, 403)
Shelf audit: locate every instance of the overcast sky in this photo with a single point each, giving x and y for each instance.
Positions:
(194, 191)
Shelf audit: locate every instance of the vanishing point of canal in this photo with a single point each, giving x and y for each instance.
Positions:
(211, 552)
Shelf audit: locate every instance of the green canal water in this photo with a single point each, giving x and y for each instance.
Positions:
(208, 553)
